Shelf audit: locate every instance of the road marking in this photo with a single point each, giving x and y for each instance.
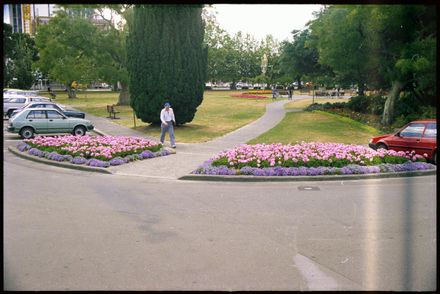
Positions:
(316, 279)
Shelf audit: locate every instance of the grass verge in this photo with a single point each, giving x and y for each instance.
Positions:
(317, 126)
(303, 103)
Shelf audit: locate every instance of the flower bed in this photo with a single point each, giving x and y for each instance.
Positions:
(310, 159)
(102, 151)
(245, 95)
(259, 92)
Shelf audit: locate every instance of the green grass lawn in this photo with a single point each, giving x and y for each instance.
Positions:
(218, 114)
(306, 102)
(317, 126)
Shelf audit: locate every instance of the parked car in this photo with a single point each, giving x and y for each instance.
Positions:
(51, 105)
(12, 102)
(20, 92)
(32, 121)
(419, 136)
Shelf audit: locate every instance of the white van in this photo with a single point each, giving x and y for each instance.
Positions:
(12, 102)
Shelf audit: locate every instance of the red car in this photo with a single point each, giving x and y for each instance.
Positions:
(420, 136)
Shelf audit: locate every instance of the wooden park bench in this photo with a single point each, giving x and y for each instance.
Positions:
(112, 111)
(283, 92)
(321, 93)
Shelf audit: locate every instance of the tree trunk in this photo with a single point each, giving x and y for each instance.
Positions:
(124, 95)
(361, 89)
(71, 92)
(115, 86)
(390, 103)
(298, 80)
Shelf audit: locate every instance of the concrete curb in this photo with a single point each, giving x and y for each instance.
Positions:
(241, 178)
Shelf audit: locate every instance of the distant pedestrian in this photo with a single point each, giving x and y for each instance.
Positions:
(290, 92)
(51, 93)
(274, 93)
(168, 120)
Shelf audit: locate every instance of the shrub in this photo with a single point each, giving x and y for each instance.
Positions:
(358, 103)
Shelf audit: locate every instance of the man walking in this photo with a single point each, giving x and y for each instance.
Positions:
(167, 118)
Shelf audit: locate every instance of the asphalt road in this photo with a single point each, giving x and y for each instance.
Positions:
(73, 230)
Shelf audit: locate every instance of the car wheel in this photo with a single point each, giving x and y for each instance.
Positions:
(27, 133)
(79, 131)
(382, 146)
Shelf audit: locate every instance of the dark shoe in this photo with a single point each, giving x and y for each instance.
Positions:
(174, 146)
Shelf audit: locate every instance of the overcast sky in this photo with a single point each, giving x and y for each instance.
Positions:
(260, 20)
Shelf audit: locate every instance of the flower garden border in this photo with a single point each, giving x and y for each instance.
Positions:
(235, 178)
(66, 164)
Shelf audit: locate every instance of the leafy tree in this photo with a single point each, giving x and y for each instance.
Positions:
(19, 53)
(166, 60)
(390, 47)
(404, 44)
(299, 58)
(68, 50)
(111, 47)
(114, 49)
(341, 39)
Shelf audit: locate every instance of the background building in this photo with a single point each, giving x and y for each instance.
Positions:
(25, 17)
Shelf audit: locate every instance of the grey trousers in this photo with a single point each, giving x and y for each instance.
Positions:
(170, 129)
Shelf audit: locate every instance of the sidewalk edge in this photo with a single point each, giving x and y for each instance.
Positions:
(242, 178)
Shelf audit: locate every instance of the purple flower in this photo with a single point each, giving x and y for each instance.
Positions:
(36, 152)
(214, 170)
(116, 161)
(146, 154)
(79, 160)
(98, 163)
(55, 156)
(22, 146)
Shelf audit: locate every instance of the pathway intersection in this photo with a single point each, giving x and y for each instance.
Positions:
(189, 155)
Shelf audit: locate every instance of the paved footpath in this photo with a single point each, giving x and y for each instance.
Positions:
(189, 155)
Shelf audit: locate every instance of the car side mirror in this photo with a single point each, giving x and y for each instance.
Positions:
(398, 134)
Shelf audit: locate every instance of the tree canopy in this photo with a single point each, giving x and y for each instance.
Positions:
(19, 52)
(68, 49)
(167, 60)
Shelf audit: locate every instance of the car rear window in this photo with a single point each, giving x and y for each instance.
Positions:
(431, 131)
(413, 130)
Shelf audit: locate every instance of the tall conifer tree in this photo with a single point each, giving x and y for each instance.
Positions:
(167, 61)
